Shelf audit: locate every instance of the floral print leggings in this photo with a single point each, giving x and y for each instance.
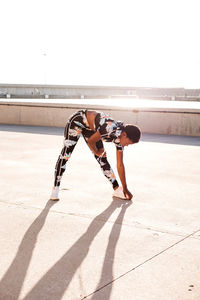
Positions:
(76, 126)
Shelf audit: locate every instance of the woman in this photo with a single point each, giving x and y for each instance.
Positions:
(96, 127)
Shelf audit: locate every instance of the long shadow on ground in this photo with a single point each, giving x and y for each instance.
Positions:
(171, 139)
(55, 282)
(12, 281)
(105, 281)
(33, 129)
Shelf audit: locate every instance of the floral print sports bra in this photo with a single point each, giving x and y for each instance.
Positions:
(109, 129)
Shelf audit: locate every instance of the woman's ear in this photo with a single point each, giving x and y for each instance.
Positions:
(124, 134)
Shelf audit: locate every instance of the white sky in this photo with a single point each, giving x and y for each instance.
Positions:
(105, 42)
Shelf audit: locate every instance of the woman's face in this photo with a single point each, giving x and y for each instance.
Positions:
(124, 140)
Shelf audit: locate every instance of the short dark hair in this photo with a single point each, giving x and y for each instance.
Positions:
(133, 132)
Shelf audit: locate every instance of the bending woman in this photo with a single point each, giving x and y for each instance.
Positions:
(96, 127)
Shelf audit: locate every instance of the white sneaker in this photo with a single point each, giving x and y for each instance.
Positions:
(118, 193)
(54, 194)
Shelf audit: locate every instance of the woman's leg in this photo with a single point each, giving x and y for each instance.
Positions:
(103, 162)
(72, 135)
(64, 156)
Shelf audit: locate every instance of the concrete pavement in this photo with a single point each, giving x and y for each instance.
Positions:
(87, 245)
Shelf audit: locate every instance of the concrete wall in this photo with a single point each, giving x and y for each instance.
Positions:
(156, 120)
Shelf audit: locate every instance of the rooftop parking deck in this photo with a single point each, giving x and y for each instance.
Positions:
(87, 245)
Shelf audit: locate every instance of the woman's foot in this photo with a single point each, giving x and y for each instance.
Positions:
(54, 194)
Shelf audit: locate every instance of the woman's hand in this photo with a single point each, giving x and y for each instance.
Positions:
(92, 145)
(127, 193)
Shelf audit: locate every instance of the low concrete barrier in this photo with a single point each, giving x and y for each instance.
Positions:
(159, 117)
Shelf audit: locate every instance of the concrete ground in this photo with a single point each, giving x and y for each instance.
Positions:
(87, 245)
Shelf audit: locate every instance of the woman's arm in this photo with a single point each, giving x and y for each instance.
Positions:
(122, 174)
(92, 144)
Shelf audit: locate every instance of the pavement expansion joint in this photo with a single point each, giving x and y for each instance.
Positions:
(142, 264)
